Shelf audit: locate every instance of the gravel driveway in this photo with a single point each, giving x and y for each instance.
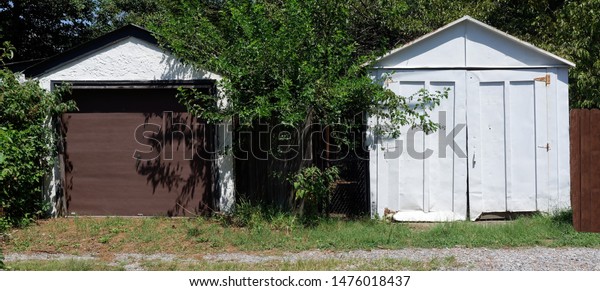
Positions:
(513, 259)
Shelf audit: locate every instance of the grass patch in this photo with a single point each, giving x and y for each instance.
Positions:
(307, 265)
(279, 233)
(63, 265)
(386, 264)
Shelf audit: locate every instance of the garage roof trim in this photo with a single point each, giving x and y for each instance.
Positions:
(108, 39)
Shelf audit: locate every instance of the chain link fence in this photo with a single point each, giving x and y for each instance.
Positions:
(351, 196)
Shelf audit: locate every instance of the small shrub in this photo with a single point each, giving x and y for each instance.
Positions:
(313, 188)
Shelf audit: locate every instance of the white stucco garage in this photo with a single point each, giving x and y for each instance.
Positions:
(507, 113)
(106, 74)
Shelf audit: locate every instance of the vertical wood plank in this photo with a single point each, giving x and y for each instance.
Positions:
(575, 144)
(594, 160)
(585, 170)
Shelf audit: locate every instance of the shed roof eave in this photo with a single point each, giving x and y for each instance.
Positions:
(466, 68)
(467, 18)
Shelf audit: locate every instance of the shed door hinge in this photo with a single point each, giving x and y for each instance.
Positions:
(545, 79)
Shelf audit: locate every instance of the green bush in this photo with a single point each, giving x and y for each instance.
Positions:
(314, 187)
(26, 144)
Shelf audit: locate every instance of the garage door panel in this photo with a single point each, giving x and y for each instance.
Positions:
(115, 168)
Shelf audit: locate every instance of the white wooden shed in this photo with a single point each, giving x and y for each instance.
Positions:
(504, 145)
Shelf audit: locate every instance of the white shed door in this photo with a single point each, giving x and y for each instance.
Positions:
(507, 140)
(422, 176)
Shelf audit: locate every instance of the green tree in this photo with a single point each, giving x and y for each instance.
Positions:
(26, 143)
(377, 24)
(576, 35)
(292, 63)
(529, 20)
(39, 29)
(289, 62)
(112, 14)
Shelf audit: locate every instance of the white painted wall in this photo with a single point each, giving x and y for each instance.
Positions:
(132, 59)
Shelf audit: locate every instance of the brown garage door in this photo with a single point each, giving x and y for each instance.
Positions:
(135, 152)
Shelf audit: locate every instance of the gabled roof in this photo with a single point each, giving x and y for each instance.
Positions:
(90, 46)
(468, 42)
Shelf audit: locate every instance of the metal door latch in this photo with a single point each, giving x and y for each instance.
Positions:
(547, 146)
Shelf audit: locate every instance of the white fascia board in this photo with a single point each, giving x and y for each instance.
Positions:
(564, 62)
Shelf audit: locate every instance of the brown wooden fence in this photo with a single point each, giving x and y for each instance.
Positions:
(585, 169)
